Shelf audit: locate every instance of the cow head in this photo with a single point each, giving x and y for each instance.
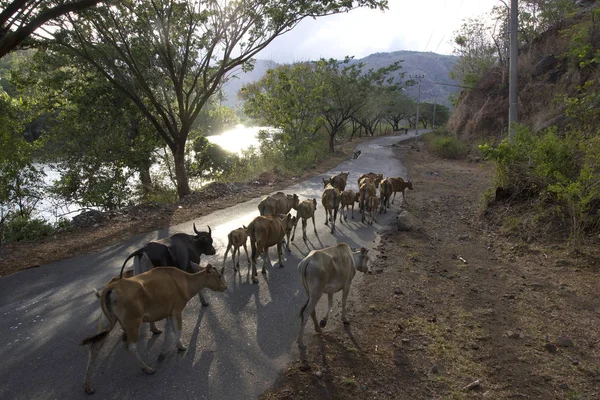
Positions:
(326, 182)
(409, 185)
(288, 224)
(214, 278)
(361, 260)
(344, 175)
(203, 242)
(315, 203)
(293, 200)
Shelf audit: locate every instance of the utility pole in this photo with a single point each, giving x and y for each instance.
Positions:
(513, 99)
(434, 104)
(418, 77)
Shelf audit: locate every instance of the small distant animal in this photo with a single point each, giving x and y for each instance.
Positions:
(356, 154)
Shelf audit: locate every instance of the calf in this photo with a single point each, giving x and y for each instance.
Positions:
(331, 202)
(181, 250)
(399, 185)
(235, 239)
(151, 296)
(328, 271)
(385, 192)
(366, 191)
(372, 206)
(348, 199)
(306, 210)
(278, 203)
(266, 231)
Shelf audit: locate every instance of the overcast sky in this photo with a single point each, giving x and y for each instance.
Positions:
(421, 25)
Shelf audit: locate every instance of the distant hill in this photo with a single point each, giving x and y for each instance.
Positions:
(435, 67)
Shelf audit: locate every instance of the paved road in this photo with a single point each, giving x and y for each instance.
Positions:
(236, 347)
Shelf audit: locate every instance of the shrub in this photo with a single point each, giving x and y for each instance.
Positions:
(23, 228)
(445, 146)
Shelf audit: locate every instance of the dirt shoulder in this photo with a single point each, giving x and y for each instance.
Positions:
(459, 304)
(118, 226)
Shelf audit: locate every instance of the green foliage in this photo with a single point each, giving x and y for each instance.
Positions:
(210, 160)
(445, 146)
(583, 51)
(476, 50)
(25, 228)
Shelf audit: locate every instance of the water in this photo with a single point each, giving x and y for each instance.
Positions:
(235, 140)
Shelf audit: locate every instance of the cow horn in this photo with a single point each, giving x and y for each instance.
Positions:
(196, 230)
(209, 231)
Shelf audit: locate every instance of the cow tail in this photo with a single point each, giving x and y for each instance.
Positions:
(135, 253)
(305, 267)
(252, 235)
(107, 309)
(336, 204)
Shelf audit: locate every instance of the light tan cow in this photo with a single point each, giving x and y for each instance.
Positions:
(372, 206)
(367, 190)
(236, 239)
(278, 203)
(349, 197)
(266, 231)
(306, 209)
(328, 270)
(399, 185)
(331, 199)
(385, 192)
(375, 178)
(160, 293)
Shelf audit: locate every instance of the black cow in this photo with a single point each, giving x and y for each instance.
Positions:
(180, 250)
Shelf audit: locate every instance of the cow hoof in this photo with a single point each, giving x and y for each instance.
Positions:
(346, 322)
(254, 280)
(181, 349)
(205, 304)
(263, 272)
(323, 323)
(304, 367)
(281, 265)
(154, 332)
(148, 370)
(161, 358)
(89, 389)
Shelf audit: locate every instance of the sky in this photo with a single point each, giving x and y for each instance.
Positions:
(419, 25)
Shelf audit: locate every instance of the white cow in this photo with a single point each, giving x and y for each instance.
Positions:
(328, 270)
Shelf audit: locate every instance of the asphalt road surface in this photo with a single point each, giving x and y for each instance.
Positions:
(236, 347)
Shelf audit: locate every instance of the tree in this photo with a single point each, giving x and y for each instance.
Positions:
(429, 111)
(397, 106)
(289, 98)
(19, 19)
(170, 56)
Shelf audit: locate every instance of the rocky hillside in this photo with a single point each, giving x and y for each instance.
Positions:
(548, 72)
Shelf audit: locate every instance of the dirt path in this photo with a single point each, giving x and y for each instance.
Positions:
(460, 303)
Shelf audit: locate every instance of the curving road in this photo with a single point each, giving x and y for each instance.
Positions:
(236, 347)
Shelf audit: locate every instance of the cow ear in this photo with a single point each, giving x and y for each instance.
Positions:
(244, 227)
(209, 231)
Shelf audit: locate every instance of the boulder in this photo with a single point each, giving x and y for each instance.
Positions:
(408, 222)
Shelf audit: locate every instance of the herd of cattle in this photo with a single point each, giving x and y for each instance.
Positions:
(154, 290)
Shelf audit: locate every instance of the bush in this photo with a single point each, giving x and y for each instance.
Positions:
(445, 146)
(23, 228)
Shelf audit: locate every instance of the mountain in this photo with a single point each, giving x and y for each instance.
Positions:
(435, 68)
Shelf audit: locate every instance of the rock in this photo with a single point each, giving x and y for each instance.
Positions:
(363, 387)
(513, 335)
(564, 386)
(564, 342)
(436, 370)
(318, 374)
(408, 222)
(551, 347)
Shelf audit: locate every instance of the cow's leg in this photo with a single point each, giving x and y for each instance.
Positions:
(294, 232)
(329, 308)
(202, 299)
(279, 253)
(93, 351)
(178, 324)
(326, 216)
(314, 226)
(394, 197)
(131, 328)
(227, 252)
(404, 198)
(335, 210)
(308, 309)
(265, 254)
(352, 210)
(169, 331)
(304, 223)
(236, 263)
(246, 250)
(345, 292)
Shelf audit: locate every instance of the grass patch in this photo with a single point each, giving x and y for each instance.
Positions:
(445, 146)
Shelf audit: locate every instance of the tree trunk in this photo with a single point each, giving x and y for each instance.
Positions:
(183, 187)
(145, 178)
(331, 136)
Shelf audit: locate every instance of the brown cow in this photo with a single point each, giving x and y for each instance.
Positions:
(399, 185)
(306, 210)
(266, 231)
(348, 199)
(366, 190)
(278, 203)
(339, 181)
(372, 206)
(236, 239)
(375, 178)
(331, 202)
(385, 192)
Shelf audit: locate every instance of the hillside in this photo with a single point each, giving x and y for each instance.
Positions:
(549, 72)
(435, 67)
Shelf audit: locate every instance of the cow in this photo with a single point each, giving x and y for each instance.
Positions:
(375, 178)
(356, 154)
(266, 231)
(235, 239)
(331, 202)
(399, 185)
(306, 209)
(160, 293)
(278, 203)
(385, 192)
(348, 199)
(328, 270)
(339, 181)
(367, 190)
(179, 250)
(372, 205)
